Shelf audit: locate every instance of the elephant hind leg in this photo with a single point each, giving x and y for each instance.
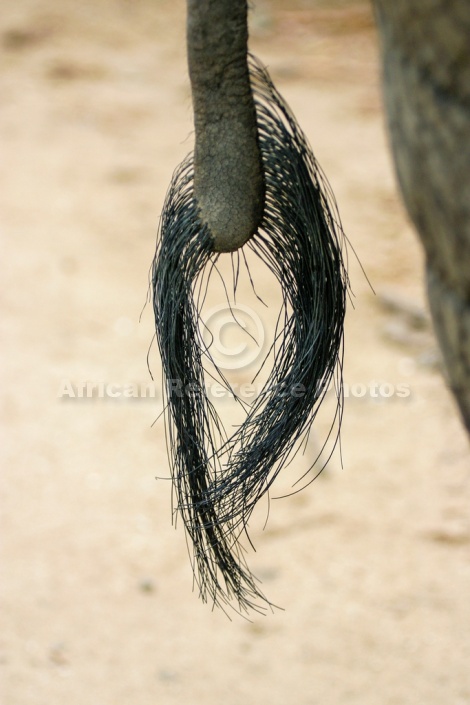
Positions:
(452, 325)
(426, 74)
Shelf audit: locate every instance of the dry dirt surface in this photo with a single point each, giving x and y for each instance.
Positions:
(371, 561)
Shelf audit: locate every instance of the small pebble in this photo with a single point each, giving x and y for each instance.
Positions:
(147, 585)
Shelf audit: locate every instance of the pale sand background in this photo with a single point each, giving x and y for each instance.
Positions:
(371, 562)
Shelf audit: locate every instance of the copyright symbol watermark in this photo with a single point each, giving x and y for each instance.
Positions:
(234, 335)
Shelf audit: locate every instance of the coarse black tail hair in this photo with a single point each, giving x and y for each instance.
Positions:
(218, 479)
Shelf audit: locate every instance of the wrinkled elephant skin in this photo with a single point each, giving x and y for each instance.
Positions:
(426, 75)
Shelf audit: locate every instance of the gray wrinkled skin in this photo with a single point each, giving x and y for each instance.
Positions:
(426, 73)
(228, 176)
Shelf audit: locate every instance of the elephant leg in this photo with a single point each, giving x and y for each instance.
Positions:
(452, 324)
(426, 73)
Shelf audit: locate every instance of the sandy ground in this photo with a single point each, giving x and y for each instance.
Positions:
(370, 562)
